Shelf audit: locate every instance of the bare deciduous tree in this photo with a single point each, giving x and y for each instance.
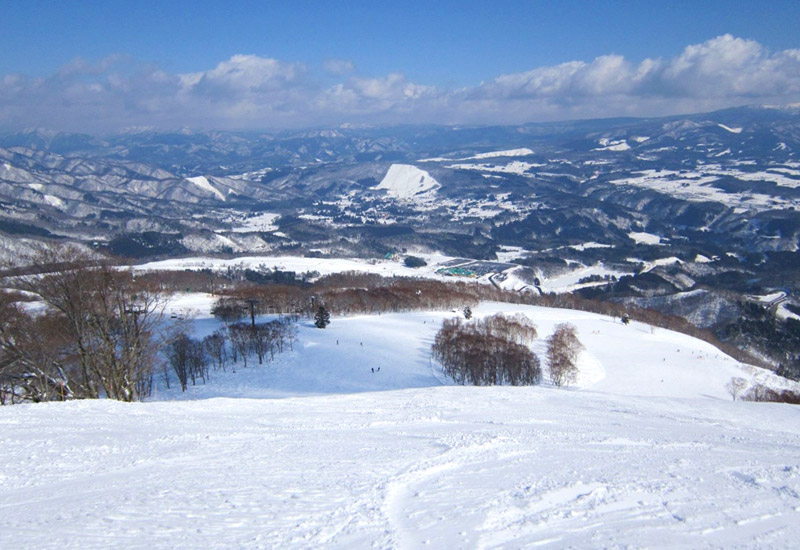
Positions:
(563, 348)
(240, 341)
(736, 386)
(216, 345)
(178, 356)
(111, 324)
(34, 364)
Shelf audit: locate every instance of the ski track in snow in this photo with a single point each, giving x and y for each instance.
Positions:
(316, 451)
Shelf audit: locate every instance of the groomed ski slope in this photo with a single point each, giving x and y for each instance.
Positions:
(317, 451)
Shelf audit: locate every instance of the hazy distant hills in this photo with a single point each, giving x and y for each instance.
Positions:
(733, 173)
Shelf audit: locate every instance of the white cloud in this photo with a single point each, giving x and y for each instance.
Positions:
(339, 67)
(249, 91)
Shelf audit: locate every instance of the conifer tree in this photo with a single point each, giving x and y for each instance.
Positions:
(322, 318)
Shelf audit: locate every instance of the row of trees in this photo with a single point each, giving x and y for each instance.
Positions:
(487, 352)
(351, 294)
(191, 359)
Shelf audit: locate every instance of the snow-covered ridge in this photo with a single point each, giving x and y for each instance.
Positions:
(203, 183)
(612, 145)
(408, 182)
(523, 152)
(513, 167)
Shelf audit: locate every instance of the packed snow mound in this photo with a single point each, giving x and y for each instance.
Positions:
(203, 183)
(407, 182)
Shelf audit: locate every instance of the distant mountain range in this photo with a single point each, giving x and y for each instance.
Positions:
(695, 211)
(732, 173)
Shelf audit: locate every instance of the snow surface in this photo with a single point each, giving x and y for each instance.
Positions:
(261, 222)
(729, 129)
(661, 262)
(514, 167)
(408, 182)
(52, 200)
(651, 452)
(567, 282)
(645, 238)
(203, 183)
(698, 187)
(523, 152)
(609, 145)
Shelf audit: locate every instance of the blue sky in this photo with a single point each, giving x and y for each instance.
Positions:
(101, 66)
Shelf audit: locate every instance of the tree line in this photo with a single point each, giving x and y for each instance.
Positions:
(352, 293)
(101, 330)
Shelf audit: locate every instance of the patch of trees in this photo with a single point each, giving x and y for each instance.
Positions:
(489, 351)
(191, 360)
(597, 278)
(207, 280)
(202, 280)
(147, 244)
(277, 276)
(188, 359)
(414, 261)
(763, 393)
(758, 327)
(13, 227)
(351, 295)
(98, 333)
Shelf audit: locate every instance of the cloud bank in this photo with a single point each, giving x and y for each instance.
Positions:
(252, 92)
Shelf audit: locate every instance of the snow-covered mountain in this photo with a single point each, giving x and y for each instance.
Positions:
(407, 182)
(731, 176)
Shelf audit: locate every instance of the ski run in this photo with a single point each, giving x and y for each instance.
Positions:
(318, 449)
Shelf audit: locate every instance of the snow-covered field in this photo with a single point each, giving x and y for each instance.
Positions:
(699, 186)
(317, 451)
(565, 282)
